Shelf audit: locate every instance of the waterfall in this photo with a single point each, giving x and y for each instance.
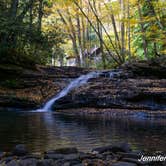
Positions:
(83, 79)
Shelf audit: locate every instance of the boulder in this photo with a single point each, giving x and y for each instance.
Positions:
(130, 155)
(28, 162)
(53, 156)
(2, 154)
(20, 150)
(67, 150)
(71, 157)
(124, 164)
(12, 163)
(122, 147)
(46, 162)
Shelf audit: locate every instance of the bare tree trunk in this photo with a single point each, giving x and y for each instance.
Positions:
(40, 15)
(122, 3)
(73, 31)
(128, 16)
(31, 16)
(99, 28)
(115, 29)
(80, 40)
(13, 9)
(83, 34)
(91, 24)
(83, 40)
(113, 46)
(72, 35)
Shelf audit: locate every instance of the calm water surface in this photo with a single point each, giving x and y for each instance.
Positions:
(48, 130)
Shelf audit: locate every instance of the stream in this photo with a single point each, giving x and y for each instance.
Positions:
(49, 130)
(44, 129)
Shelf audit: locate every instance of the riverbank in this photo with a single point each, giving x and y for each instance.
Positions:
(30, 88)
(119, 154)
(115, 113)
(134, 86)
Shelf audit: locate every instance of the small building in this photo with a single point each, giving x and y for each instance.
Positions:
(70, 61)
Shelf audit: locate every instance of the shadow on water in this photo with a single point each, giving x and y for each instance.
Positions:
(48, 130)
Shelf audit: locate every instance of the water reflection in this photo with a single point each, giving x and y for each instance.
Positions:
(43, 131)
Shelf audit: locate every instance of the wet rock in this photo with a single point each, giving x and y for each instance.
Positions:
(28, 162)
(78, 164)
(131, 160)
(109, 157)
(66, 164)
(83, 156)
(130, 155)
(63, 151)
(71, 157)
(46, 162)
(8, 159)
(123, 147)
(54, 156)
(134, 86)
(38, 85)
(124, 164)
(30, 156)
(20, 150)
(94, 162)
(12, 163)
(2, 154)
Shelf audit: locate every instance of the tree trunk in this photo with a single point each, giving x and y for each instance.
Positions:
(72, 35)
(118, 60)
(96, 31)
(40, 15)
(99, 28)
(13, 9)
(122, 3)
(73, 31)
(79, 36)
(128, 16)
(31, 16)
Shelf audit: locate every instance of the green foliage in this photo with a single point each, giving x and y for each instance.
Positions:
(154, 33)
(33, 32)
(21, 41)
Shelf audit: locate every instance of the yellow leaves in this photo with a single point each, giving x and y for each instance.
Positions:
(133, 21)
(133, 2)
(163, 52)
(153, 28)
(149, 19)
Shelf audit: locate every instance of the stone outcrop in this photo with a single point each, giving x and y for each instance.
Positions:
(135, 86)
(25, 88)
(139, 85)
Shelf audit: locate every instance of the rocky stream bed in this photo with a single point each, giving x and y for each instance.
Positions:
(113, 155)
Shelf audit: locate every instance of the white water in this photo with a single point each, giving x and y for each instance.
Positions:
(83, 79)
(73, 84)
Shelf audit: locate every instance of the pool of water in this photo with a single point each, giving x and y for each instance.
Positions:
(49, 130)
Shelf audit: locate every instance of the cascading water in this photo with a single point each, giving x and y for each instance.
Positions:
(74, 84)
(83, 79)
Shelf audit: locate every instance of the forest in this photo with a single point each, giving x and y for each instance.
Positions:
(86, 33)
(82, 82)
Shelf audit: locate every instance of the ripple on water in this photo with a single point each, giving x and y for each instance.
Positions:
(42, 131)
